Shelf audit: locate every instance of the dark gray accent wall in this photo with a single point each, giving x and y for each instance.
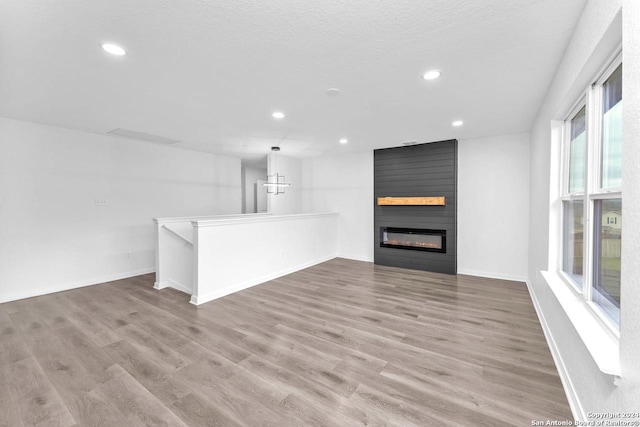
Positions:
(424, 170)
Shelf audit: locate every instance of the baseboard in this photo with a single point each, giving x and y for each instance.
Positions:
(161, 285)
(201, 299)
(79, 284)
(569, 389)
(491, 275)
(179, 286)
(355, 257)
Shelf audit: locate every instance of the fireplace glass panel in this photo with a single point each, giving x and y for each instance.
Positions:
(413, 239)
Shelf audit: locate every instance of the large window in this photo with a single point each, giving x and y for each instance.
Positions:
(591, 194)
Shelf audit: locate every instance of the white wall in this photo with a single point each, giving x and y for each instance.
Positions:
(53, 236)
(595, 38)
(343, 184)
(629, 392)
(280, 245)
(493, 206)
(291, 201)
(249, 177)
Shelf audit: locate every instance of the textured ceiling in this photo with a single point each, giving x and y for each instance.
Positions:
(210, 73)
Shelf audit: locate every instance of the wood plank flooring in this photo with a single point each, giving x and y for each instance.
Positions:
(343, 343)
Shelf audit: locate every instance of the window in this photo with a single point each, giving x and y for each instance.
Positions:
(577, 151)
(592, 195)
(573, 203)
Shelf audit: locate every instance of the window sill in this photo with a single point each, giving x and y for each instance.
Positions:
(601, 343)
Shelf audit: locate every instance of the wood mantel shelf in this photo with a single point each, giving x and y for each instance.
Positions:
(411, 201)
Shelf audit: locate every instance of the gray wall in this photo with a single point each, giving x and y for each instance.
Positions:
(417, 171)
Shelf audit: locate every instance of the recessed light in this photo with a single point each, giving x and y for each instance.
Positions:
(343, 140)
(278, 115)
(430, 75)
(333, 92)
(113, 49)
(457, 123)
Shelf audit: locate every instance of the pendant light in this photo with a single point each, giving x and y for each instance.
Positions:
(276, 183)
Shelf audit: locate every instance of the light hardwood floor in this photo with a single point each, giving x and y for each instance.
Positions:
(343, 343)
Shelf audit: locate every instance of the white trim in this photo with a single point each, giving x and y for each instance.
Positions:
(201, 299)
(593, 165)
(566, 278)
(179, 286)
(200, 218)
(492, 275)
(607, 195)
(355, 257)
(177, 234)
(170, 283)
(566, 148)
(79, 284)
(258, 219)
(161, 285)
(572, 396)
(602, 344)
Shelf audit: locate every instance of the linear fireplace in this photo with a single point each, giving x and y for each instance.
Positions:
(416, 175)
(415, 239)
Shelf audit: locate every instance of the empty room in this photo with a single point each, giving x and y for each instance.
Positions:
(340, 213)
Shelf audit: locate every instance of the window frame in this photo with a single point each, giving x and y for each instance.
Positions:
(591, 100)
(566, 195)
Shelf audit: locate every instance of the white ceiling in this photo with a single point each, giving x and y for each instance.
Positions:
(210, 73)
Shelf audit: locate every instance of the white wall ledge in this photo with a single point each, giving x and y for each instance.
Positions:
(202, 218)
(601, 343)
(257, 218)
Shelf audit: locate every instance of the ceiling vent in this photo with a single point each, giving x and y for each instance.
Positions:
(142, 136)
